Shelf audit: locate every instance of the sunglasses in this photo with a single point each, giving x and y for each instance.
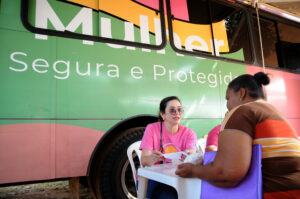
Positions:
(174, 111)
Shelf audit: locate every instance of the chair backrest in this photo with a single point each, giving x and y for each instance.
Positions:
(134, 148)
(201, 144)
(249, 188)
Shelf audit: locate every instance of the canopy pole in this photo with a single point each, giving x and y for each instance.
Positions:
(260, 37)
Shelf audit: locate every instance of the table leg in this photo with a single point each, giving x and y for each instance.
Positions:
(189, 189)
(142, 187)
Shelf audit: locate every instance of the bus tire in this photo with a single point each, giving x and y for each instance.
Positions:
(113, 172)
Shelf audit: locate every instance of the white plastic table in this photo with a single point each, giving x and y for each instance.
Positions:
(187, 188)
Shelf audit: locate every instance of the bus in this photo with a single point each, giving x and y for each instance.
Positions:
(80, 80)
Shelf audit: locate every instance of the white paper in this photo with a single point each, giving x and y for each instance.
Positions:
(177, 155)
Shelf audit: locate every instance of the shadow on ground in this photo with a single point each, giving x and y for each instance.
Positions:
(52, 190)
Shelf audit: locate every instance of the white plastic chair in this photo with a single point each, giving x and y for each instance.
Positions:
(134, 147)
(201, 144)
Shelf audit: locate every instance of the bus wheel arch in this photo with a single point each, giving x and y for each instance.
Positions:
(109, 157)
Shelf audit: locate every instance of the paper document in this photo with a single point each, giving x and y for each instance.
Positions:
(177, 155)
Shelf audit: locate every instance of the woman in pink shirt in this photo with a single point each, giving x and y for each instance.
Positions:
(166, 136)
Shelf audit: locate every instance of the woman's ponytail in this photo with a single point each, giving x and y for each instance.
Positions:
(261, 78)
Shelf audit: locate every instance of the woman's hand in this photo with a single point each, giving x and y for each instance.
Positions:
(156, 156)
(185, 170)
(150, 157)
(190, 151)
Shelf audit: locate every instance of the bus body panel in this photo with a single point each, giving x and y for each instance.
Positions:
(62, 95)
(43, 151)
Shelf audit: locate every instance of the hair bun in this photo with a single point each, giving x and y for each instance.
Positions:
(262, 78)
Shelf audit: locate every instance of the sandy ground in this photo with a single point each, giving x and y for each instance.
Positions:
(53, 190)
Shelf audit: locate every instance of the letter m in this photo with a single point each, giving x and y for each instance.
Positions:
(45, 13)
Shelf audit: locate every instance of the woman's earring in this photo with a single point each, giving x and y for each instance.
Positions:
(163, 119)
(240, 99)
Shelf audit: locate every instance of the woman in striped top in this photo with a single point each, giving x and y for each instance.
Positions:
(250, 121)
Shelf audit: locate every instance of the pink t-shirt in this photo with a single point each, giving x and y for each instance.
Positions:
(184, 139)
(212, 137)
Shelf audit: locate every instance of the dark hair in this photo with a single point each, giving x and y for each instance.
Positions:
(163, 104)
(252, 83)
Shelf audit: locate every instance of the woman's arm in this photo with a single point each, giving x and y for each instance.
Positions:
(148, 157)
(212, 139)
(231, 163)
(211, 148)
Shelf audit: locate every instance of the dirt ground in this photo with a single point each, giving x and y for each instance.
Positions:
(52, 190)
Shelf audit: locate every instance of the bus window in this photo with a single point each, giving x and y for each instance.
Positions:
(289, 46)
(281, 44)
(269, 40)
(142, 24)
(106, 21)
(193, 33)
(213, 29)
(237, 32)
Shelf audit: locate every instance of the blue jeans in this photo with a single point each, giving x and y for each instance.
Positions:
(157, 190)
